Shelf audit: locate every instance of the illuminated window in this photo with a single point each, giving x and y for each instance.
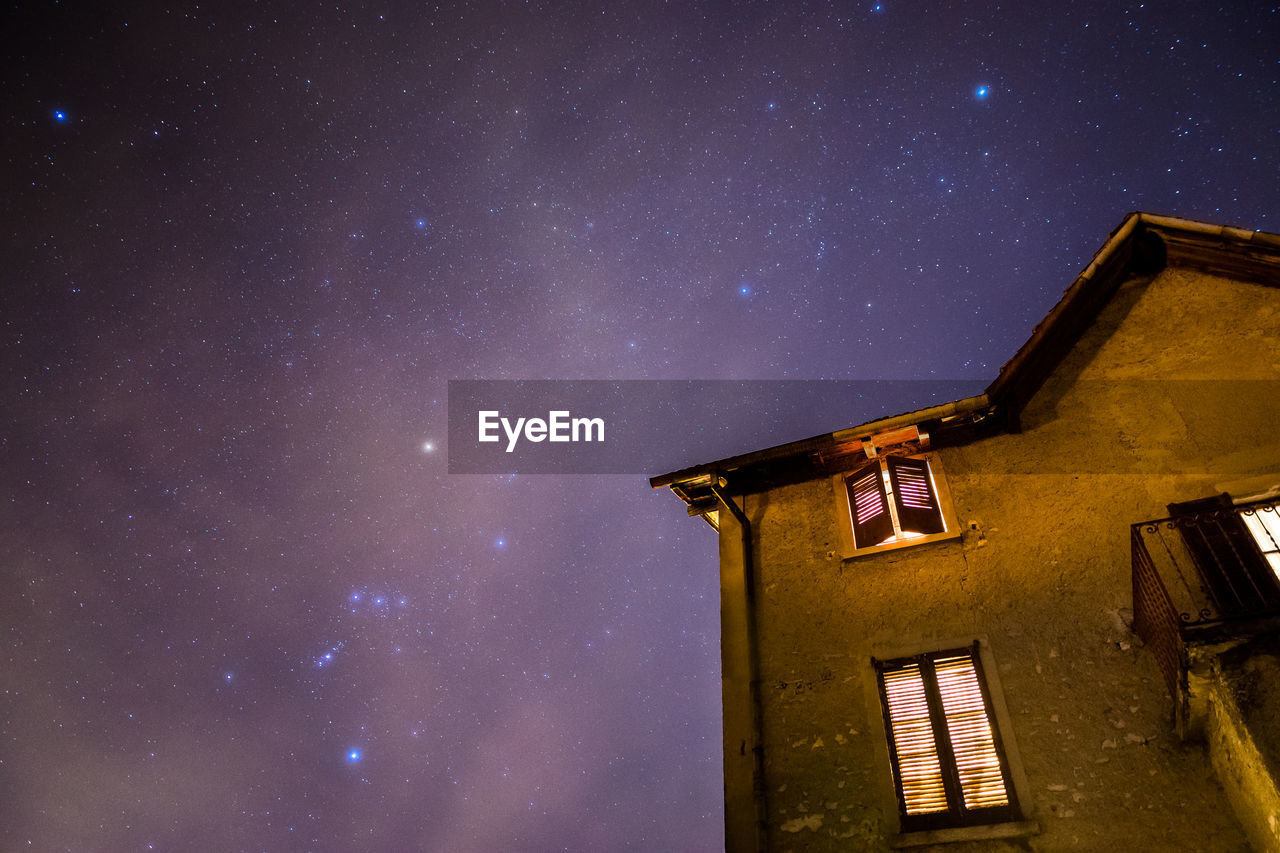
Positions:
(948, 763)
(892, 499)
(1235, 550)
(1263, 523)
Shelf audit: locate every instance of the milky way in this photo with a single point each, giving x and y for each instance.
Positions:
(247, 246)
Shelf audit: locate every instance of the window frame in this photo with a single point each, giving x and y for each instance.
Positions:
(887, 794)
(1261, 521)
(849, 548)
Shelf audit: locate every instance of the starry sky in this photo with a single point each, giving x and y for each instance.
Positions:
(244, 605)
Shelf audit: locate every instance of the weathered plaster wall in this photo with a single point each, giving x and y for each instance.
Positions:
(1042, 573)
(1243, 733)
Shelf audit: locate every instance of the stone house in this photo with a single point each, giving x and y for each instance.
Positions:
(1040, 618)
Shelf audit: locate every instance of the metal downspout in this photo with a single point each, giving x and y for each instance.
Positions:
(753, 662)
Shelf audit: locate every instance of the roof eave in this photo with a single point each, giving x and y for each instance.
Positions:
(1142, 244)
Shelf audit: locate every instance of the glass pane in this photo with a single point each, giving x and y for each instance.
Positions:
(1263, 524)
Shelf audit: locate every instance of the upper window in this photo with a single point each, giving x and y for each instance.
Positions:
(949, 764)
(893, 498)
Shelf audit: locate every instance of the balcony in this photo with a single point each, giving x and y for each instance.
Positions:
(1204, 577)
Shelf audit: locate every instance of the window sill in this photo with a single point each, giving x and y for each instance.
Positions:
(905, 543)
(988, 832)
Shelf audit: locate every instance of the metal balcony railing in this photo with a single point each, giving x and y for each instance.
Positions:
(1205, 569)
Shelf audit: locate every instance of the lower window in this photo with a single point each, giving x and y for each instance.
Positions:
(949, 765)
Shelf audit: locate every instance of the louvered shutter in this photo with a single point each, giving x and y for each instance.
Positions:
(973, 743)
(914, 496)
(913, 748)
(947, 758)
(869, 506)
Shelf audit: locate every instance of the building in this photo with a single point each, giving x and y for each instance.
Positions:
(1039, 618)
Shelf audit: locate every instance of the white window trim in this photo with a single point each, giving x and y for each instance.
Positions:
(844, 517)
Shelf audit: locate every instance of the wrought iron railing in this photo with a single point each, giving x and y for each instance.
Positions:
(1155, 617)
(1203, 569)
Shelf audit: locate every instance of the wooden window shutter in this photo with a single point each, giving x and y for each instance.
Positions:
(913, 748)
(978, 762)
(948, 760)
(914, 496)
(869, 506)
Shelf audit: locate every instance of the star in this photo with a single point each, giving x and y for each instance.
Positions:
(329, 311)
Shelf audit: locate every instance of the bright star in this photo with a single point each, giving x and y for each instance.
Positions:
(501, 543)
(59, 115)
(981, 92)
(428, 446)
(354, 756)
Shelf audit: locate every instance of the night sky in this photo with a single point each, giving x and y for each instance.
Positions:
(244, 605)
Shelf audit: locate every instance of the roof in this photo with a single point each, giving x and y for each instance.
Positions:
(1142, 245)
